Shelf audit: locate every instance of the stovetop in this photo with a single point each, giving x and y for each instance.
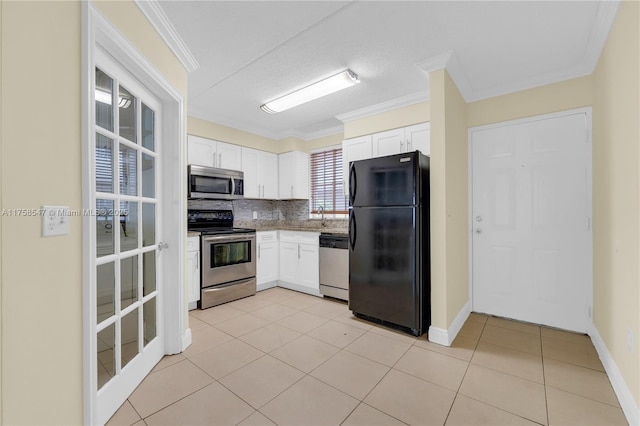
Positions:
(213, 222)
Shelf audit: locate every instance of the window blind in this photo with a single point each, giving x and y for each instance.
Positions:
(327, 183)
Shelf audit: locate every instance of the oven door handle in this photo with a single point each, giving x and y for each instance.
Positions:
(228, 238)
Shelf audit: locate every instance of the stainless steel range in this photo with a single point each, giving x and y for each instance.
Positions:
(228, 257)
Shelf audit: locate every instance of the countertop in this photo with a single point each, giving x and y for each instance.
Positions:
(312, 225)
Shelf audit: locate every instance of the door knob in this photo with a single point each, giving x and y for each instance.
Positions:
(162, 246)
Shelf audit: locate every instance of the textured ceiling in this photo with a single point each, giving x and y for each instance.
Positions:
(253, 52)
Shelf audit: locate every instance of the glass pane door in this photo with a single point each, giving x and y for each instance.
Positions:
(126, 219)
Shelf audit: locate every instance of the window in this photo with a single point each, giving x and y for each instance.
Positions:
(327, 183)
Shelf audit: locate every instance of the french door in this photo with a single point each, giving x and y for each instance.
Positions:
(126, 198)
(531, 220)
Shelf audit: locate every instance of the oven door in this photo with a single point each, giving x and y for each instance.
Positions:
(227, 258)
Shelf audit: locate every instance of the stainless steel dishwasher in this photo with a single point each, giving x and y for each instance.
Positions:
(334, 265)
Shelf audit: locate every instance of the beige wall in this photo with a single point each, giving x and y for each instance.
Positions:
(616, 199)
(42, 302)
(1, 206)
(562, 96)
(42, 366)
(449, 201)
(211, 130)
(401, 117)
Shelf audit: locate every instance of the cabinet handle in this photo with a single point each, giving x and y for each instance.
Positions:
(220, 160)
(259, 247)
(298, 251)
(400, 146)
(197, 262)
(291, 191)
(409, 146)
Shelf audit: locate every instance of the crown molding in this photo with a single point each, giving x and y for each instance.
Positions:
(159, 20)
(309, 136)
(449, 61)
(384, 106)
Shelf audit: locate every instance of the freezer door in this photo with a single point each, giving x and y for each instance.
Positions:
(383, 181)
(384, 281)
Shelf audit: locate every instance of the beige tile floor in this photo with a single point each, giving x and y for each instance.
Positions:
(286, 358)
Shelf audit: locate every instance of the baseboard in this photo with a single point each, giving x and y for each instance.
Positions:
(446, 337)
(627, 402)
(300, 288)
(186, 339)
(265, 286)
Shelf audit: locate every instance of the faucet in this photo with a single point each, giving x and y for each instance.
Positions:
(322, 222)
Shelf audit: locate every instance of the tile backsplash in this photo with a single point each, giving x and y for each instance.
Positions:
(268, 210)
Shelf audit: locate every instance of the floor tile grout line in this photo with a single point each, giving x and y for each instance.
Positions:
(457, 392)
(544, 380)
(584, 397)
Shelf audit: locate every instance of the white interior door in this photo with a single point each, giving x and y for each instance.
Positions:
(531, 221)
(126, 192)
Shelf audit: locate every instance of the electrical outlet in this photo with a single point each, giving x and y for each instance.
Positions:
(630, 340)
(255, 215)
(55, 220)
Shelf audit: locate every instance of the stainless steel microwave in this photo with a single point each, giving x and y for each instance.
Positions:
(214, 184)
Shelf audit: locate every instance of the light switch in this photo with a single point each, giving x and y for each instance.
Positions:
(55, 220)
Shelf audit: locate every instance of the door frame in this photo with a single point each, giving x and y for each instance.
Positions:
(589, 122)
(98, 31)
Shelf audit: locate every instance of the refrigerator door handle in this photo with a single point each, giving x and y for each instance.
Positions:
(353, 183)
(352, 230)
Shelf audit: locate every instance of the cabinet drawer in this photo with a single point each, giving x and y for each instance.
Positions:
(266, 236)
(193, 243)
(301, 237)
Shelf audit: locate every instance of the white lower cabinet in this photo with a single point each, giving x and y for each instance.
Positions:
(300, 261)
(193, 270)
(267, 262)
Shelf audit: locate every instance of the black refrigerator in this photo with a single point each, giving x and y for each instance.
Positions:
(389, 248)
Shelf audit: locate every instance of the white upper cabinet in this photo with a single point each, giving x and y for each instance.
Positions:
(389, 142)
(404, 139)
(210, 153)
(293, 175)
(418, 137)
(201, 151)
(260, 174)
(395, 141)
(354, 149)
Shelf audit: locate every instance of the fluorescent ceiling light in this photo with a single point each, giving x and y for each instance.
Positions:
(314, 91)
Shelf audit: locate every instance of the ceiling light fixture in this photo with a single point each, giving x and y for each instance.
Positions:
(314, 91)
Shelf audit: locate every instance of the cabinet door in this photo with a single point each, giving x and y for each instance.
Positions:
(285, 176)
(268, 175)
(353, 150)
(250, 166)
(229, 156)
(201, 151)
(288, 262)
(193, 266)
(388, 143)
(418, 137)
(301, 176)
(309, 266)
(267, 265)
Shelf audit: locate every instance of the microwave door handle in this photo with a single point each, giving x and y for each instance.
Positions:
(233, 187)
